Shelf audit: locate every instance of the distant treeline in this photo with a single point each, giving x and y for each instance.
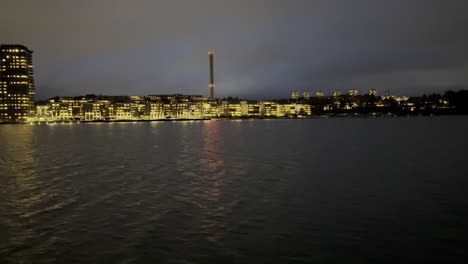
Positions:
(459, 100)
(450, 102)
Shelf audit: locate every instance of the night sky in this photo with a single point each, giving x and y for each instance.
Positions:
(264, 48)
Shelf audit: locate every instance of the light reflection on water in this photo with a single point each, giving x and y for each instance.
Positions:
(284, 191)
(212, 172)
(22, 180)
(26, 201)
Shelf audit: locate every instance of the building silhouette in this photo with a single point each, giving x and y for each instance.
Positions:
(16, 83)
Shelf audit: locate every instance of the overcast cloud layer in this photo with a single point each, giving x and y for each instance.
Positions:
(264, 48)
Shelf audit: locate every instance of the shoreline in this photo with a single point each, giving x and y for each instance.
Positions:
(217, 118)
(100, 121)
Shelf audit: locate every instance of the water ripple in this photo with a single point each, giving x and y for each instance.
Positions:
(283, 191)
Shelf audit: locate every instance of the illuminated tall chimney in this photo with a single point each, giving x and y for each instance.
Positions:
(212, 85)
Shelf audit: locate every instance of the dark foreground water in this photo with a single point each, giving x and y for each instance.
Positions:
(267, 191)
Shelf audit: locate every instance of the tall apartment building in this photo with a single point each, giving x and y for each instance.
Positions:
(16, 83)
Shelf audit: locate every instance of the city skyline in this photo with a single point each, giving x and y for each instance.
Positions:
(266, 49)
(17, 101)
(9, 49)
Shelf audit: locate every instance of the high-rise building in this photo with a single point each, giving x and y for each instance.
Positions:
(306, 95)
(16, 83)
(373, 92)
(320, 94)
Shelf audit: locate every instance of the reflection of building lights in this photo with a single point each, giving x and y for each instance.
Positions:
(212, 180)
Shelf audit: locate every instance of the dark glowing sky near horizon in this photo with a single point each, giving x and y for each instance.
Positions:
(264, 48)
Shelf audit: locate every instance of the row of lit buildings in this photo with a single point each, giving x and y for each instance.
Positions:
(155, 107)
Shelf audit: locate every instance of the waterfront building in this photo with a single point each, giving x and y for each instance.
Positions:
(93, 111)
(281, 111)
(211, 109)
(252, 110)
(66, 108)
(179, 110)
(139, 110)
(59, 111)
(42, 112)
(244, 108)
(105, 107)
(303, 109)
(155, 110)
(16, 83)
(175, 106)
(196, 110)
(294, 110)
(121, 111)
(231, 110)
(268, 109)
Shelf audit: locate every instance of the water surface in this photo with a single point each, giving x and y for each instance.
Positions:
(263, 191)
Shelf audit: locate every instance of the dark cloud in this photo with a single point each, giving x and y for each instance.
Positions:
(265, 48)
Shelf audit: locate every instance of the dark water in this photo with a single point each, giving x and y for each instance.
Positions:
(280, 191)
